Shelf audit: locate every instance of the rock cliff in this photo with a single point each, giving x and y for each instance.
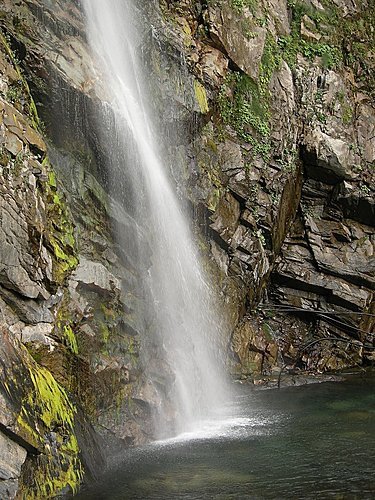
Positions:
(269, 107)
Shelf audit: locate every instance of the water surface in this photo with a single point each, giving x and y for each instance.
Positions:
(314, 441)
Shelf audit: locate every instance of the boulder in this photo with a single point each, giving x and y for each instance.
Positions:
(96, 275)
(12, 457)
(327, 158)
(225, 219)
(244, 47)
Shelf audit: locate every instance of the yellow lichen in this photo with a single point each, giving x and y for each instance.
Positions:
(201, 97)
(187, 34)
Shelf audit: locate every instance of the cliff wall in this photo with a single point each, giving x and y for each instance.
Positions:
(269, 108)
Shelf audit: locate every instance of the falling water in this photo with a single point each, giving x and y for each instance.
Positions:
(185, 313)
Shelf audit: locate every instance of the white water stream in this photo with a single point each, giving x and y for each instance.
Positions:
(185, 313)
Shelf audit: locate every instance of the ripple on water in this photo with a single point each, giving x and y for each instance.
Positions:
(311, 442)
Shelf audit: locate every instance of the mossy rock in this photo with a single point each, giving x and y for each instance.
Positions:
(44, 419)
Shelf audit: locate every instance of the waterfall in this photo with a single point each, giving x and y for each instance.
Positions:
(184, 310)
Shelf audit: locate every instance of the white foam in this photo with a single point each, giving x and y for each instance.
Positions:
(229, 428)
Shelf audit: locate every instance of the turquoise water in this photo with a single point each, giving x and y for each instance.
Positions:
(308, 442)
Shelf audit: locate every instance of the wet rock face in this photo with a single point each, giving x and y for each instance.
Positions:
(12, 459)
(70, 299)
(37, 418)
(269, 110)
(243, 46)
(284, 165)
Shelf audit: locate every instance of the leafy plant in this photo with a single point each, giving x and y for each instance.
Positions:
(244, 103)
(239, 5)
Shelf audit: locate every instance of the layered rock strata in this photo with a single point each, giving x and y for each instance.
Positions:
(269, 108)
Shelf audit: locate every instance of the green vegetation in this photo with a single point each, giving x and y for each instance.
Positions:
(244, 103)
(60, 234)
(70, 339)
(65, 325)
(339, 40)
(45, 420)
(241, 105)
(356, 36)
(330, 38)
(364, 190)
(347, 115)
(334, 39)
(294, 44)
(239, 5)
(14, 92)
(21, 87)
(51, 404)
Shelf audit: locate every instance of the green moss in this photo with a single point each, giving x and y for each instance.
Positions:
(26, 430)
(60, 234)
(70, 339)
(4, 157)
(47, 482)
(51, 176)
(239, 5)
(65, 325)
(65, 263)
(347, 115)
(57, 250)
(45, 420)
(56, 412)
(105, 333)
(56, 199)
(52, 399)
(187, 35)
